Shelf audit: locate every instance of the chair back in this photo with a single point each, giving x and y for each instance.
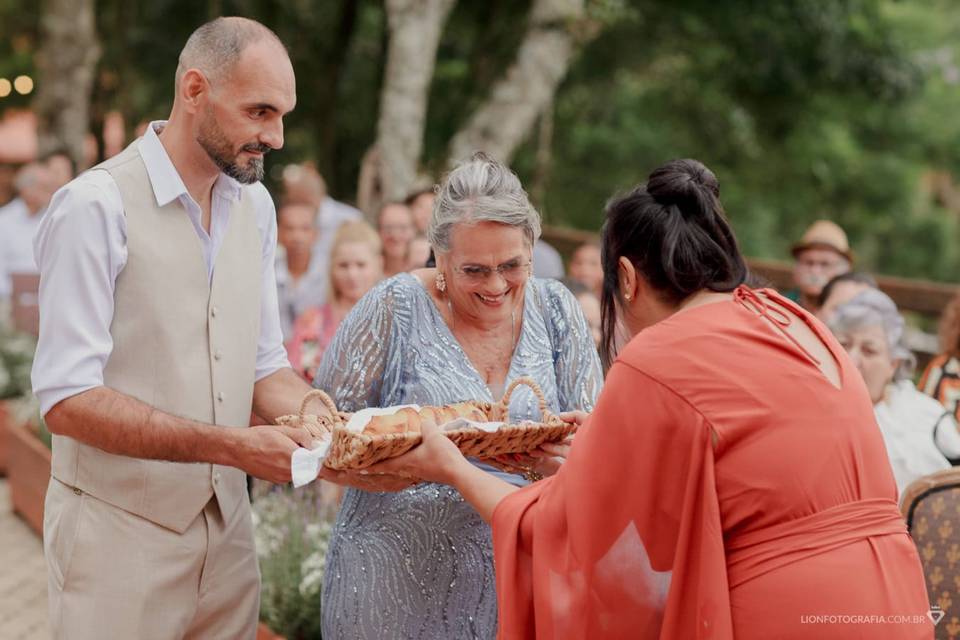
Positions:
(931, 506)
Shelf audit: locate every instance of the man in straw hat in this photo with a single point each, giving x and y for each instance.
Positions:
(822, 253)
(159, 332)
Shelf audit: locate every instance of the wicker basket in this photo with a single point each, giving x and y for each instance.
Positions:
(350, 450)
(303, 418)
(512, 438)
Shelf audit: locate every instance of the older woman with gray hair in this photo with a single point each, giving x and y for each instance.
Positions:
(417, 562)
(920, 435)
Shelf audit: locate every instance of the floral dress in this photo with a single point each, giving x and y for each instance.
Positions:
(312, 334)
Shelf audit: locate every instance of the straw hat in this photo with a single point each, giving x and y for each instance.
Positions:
(824, 234)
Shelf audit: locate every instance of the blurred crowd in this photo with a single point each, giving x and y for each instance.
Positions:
(329, 256)
(918, 423)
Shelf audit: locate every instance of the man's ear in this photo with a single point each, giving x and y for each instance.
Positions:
(193, 90)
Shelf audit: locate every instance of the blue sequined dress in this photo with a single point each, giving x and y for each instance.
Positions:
(419, 563)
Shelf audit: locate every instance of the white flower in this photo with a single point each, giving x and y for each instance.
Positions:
(311, 573)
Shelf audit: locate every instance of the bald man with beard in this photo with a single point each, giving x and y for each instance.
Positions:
(159, 333)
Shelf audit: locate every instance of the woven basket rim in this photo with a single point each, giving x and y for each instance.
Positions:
(357, 449)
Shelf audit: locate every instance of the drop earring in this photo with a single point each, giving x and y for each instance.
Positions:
(440, 282)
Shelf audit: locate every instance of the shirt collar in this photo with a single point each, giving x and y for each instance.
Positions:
(164, 178)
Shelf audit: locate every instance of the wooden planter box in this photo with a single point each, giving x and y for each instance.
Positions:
(4, 418)
(28, 474)
(264, 633)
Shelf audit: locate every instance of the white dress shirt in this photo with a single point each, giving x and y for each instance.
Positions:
(81, 249)
(331, 215)
(17, 230)
(17, 204)
(296, 297)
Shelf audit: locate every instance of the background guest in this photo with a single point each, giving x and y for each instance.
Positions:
(303, 184)
(941, 380)
(395, 224)
(547, 262)
(333, 213)
(920, 435)
(60, 167)
(585, 267)
(589, 304)
(421, 207)
(822, 253)
(301, 280)
(840, 290)
(8, 173)
(355, 266)
(418, 253)
(19, 221)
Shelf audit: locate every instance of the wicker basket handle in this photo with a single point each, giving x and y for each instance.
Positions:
(503, 407)
(325, 399)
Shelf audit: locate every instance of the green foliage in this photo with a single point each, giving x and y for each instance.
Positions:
(16, 359)
(845, 114)
(837, 108)
(19, 32)
(292, 534)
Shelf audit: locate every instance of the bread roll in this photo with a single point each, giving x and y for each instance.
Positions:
(403, 421)
(468, 410)
(433, 416)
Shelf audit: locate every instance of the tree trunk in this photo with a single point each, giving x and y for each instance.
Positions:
(415, 28)
(542, 162)
(501, 123)
(65, 64)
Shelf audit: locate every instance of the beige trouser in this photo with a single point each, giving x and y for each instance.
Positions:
(115, 575)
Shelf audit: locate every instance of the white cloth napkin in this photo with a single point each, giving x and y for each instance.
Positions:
(305, 463)
(463, 423)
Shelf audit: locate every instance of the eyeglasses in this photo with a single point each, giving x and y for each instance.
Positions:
(513, 270)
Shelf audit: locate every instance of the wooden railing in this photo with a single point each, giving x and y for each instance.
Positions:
(920, 296)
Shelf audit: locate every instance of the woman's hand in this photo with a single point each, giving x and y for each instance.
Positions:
(548, 458)
(435, 459)
(574, 417)
(543, 461)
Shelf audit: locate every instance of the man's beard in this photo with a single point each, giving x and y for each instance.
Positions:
(214, 141)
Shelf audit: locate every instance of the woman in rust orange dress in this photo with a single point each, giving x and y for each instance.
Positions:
(731, 482)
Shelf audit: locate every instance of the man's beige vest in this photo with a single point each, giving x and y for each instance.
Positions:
(181, 343)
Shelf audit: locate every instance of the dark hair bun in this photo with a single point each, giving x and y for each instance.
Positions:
(686, 184)
(674, 231)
